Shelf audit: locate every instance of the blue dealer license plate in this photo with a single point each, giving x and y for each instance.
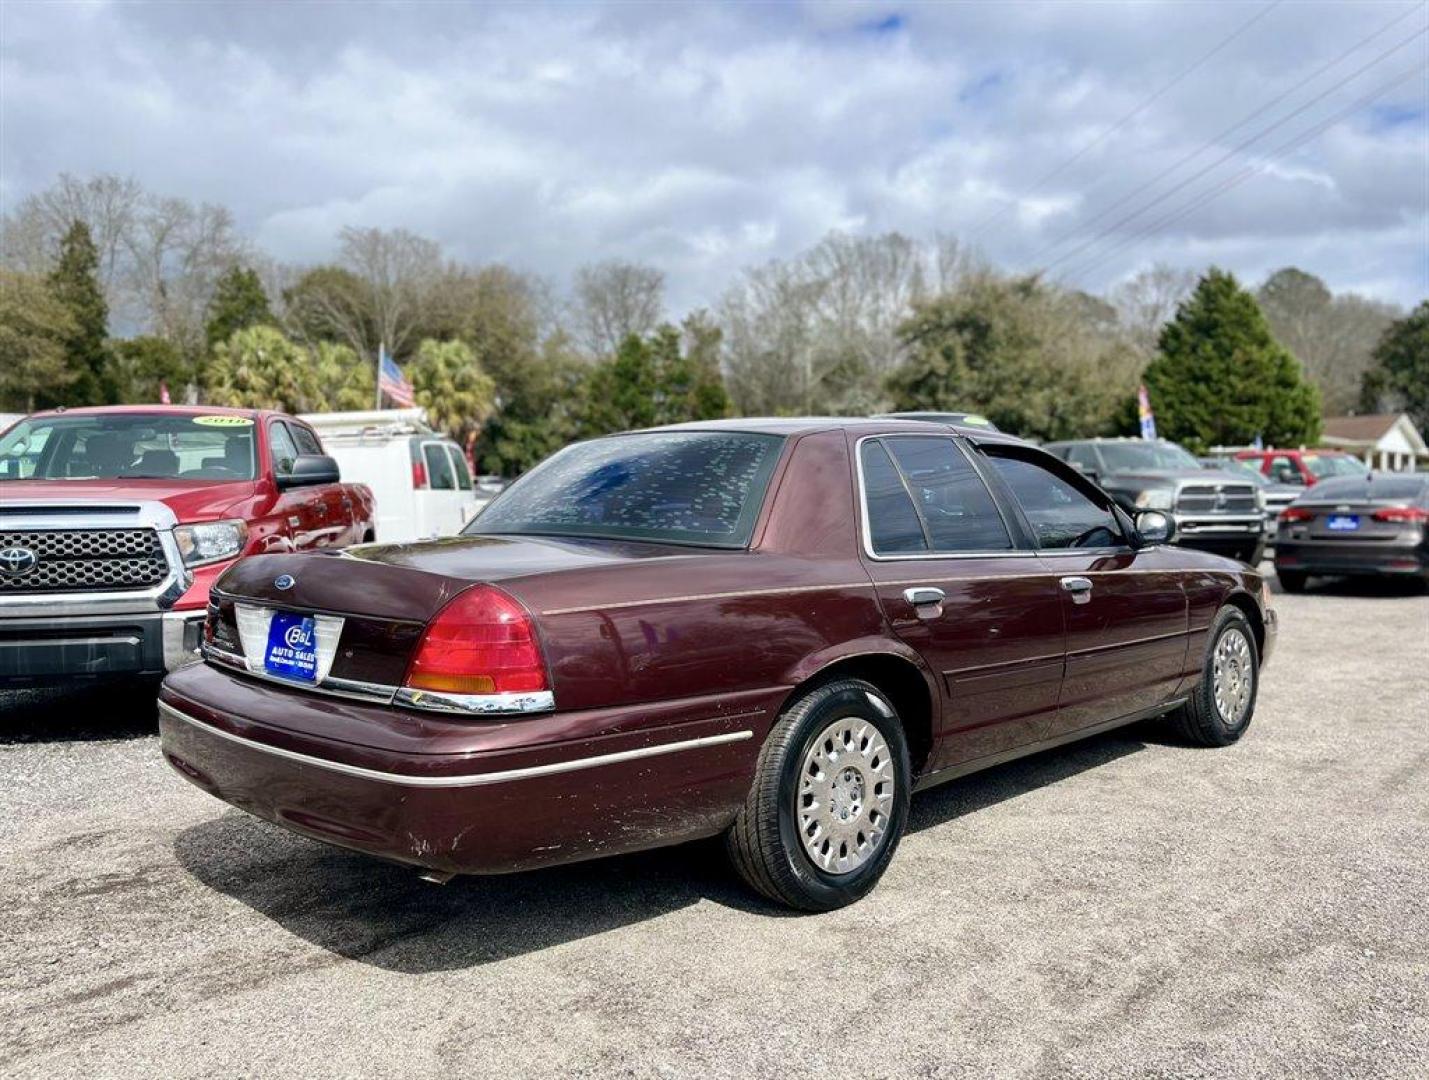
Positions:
(292, 647)
(1342, 522)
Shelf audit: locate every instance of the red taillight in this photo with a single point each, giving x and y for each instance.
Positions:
(483, 642)
(1403, 515)
(1294, 513)
(419, 475)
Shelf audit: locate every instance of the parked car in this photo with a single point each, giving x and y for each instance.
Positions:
(1274, 496)
(960, 419)
(1374, 524)
(1215, 511)
(114, 522)
(420, 478)
(1303, 468)
(773, 630)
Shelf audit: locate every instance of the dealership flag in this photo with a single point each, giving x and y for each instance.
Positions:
(1143, 409)
(391, 381)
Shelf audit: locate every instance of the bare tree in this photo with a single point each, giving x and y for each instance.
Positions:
(108, 204)
(819, 333)
(177, 252)
(1148, 301)
(1332, 336)
(386, 286)
(614, 299)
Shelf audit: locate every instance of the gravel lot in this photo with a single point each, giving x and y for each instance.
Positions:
(1123, 907)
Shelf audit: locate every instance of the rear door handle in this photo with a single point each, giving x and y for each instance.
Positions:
(927, 601)
(923, 594)
(1079, 587)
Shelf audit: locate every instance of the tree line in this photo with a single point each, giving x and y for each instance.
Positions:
(108, 292)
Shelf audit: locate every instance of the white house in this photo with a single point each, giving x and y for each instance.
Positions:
(1386, 441)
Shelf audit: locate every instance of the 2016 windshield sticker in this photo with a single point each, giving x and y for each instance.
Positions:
(224, 421)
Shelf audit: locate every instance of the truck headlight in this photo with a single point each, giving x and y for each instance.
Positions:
(211, 541)
(1154, 499)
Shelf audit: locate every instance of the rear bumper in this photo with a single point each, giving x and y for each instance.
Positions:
(96, 647)
(508, 795)
(1318, 557)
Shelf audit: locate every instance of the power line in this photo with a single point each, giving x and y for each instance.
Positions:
(1132, 115)
(1233, 152)
(1225, 185)
(1213, 140)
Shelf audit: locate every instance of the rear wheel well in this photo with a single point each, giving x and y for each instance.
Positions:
(900, 682)
(1251, 610)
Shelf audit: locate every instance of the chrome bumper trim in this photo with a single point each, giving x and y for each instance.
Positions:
(381, 694)
(470, 780)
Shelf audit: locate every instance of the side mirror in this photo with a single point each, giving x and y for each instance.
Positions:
(1155, 527)
(310, 470)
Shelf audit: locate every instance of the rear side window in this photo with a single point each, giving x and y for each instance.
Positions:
(439, 468)
(1061, 515)
(924, 495)
(696, 487)
(893, 524)
(958, 511)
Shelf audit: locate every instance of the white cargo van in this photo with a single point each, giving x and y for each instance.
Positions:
(419, 477)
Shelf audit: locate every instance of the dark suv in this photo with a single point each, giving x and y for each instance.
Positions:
(1215, 510)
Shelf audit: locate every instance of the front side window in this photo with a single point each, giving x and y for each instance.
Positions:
(307, 442)
(1061, 515)
(439, 468)
(139, 446)
(463, 474)
(282, 447)
(1085, 456)
(691, 487)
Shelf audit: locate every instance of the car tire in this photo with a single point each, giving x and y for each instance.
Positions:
(1292, 581)
(820, 825)
(1221, 706)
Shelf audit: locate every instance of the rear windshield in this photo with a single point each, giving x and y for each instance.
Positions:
(702, 488)
(1373, 487)
(169, 446)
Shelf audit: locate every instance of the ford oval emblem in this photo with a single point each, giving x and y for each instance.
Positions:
(284, 582)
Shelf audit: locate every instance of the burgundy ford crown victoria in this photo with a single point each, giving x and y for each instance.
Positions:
(772, 630)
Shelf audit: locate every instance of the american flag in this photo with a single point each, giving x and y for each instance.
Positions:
(391, 381)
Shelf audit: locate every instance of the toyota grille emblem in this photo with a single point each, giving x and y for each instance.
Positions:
(284, 582)
(17, 560)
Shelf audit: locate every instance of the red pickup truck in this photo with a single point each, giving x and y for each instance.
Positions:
(115, 521)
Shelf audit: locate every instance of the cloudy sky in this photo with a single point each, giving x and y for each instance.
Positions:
(704, 138)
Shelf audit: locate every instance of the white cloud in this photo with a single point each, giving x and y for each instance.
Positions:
(706, 138)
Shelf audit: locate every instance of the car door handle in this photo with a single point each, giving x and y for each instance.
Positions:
(927, 601)
(1079, 587)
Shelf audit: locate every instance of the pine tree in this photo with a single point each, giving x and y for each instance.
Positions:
(238, 303)
(75, 284)
(34, 329)
(1221, 379)
(1400, 375)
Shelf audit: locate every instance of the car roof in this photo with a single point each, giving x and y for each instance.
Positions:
(141, 410)
(858, 426)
